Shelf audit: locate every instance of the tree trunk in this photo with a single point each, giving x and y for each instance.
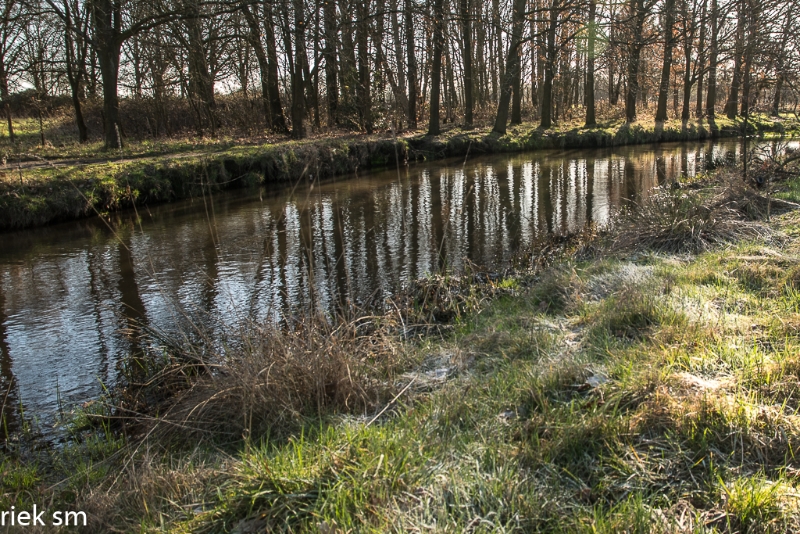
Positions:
(480, 50)
(589, 88)
(348, 68)
(689, 26)
(466, 54)
(451, 84)
(158, 68)
(612, 95)
(7, 107)
(546, 106)
(412, 65)
(497, 46)
(711, 96)
(398, 56)
(4, 75)
(612, 99)
(749, 52)
(74, 75)
(276, 116)
(201, 86)
(534, 74)
(637, 14)
(83, 131)
(666, 65)
(329, 55)
(732, 105)
(382, 65)
(512, 67)
(311, 99)
(108, 46)
(298, 98)
(254, 39)
(516, 101)
(780, 65)
(436, 65)
(687, 85)
(109, 71)
(363, 89)
(701, 60)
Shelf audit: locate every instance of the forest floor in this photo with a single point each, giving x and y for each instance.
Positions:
(641, 379)
(63, 179)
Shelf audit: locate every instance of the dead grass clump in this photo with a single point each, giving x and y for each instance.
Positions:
(444, 298)
(558, 290)
(268, 378)
(441, 298)
(148, 491)
(549, 249)
(676, 221)
(742, 197)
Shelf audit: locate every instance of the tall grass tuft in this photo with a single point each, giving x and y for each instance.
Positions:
(264, 379)
(674, 220)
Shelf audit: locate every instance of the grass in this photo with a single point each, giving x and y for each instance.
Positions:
(615, 390)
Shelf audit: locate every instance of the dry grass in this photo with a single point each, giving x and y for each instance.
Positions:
(264, 379)
(676, 220)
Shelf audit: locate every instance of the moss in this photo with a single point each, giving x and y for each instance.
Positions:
(57, 194)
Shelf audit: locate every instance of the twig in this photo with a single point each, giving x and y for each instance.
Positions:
(391, 402)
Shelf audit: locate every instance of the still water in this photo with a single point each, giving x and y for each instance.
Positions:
(70, 294)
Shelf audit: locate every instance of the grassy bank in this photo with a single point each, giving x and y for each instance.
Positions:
(50, 192)
(640, 382)
(41, 185)
(608, 133)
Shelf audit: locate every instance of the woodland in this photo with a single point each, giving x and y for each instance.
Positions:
(296, 68)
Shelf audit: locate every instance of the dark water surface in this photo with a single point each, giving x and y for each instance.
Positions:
(70, 293)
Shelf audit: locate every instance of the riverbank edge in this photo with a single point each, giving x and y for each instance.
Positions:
(601, 391)
(62, 194)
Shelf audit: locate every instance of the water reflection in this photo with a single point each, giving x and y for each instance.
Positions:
(8, 389)
(71, 293)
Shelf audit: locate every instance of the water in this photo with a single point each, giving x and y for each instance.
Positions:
(71, 294)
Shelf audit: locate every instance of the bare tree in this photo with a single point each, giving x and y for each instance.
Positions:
(11, 27)
(436, 65)
(512, 66)
(666, 62)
